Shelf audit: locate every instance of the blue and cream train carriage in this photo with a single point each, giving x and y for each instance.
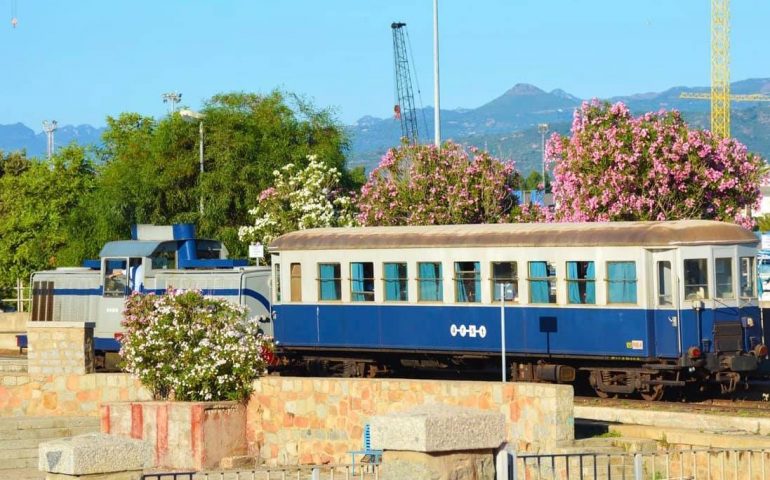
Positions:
(635, 306)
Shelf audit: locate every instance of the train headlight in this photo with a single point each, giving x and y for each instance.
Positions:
(694, 352)
(749, 322)
(760, 350)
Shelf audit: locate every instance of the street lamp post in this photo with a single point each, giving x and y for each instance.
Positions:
(543, 129)
(192, 115)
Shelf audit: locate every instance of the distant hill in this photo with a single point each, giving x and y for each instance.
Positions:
(506, 126)
(20, 137)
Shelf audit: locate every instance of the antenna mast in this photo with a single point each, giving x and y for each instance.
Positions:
(404, 110)
(49, 128)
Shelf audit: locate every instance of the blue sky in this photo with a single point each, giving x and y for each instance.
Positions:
(78, 61)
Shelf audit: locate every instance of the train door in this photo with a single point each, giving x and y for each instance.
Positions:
(120, 276)
(665, 303)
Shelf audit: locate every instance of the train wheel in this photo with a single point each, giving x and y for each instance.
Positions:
(654, 394)
(592, 379)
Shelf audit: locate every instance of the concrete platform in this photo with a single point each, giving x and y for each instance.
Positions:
(675, 420)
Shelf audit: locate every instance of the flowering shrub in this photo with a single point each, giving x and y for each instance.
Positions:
(618, 167)
(420, 185)
(184, 346)
(300, 199)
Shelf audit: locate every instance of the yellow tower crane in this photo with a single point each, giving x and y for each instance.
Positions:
(720, 72)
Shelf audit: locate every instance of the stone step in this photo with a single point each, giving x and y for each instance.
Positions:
(13, 365)
(20, 438)
(8, 424)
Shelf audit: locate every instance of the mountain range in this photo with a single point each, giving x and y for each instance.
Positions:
(506, 126)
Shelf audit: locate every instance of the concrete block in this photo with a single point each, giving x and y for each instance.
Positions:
(437, 466)
(438, 428)
(94, 453)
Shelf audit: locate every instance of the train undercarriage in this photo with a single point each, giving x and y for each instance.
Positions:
(650, 379)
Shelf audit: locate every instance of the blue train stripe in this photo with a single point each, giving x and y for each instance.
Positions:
(214, 292)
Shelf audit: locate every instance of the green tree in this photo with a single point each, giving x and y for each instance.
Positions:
(37, 200)
(150, 171)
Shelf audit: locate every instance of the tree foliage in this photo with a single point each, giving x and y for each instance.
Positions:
(653, 167)
(422, 185)
(300, 198)
(150, 171)
(37, 203)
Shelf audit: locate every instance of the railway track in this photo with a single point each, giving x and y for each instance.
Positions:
(734, 407)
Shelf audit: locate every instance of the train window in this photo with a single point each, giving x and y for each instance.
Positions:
(296, 282)
(621, 282)
(115, 279)
(542, 282)
(277, 283)
(396, 282)
(329, 281)
(505, 277)
(747, 277)
(664, 283)
(362, 282)
(696, 278)
(723, 267)
(164, 259)
(581, 283)
(467, 282)
(430, 284)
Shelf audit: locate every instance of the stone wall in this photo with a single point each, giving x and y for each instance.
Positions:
(311, 420)
(60, 348)
(66, 395)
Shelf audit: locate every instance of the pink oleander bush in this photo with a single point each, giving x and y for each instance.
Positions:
(420, 185)
(184, 346)
(615, 166)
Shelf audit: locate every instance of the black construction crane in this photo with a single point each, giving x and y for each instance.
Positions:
(404, 110)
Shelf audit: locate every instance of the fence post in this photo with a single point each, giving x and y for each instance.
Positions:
(316, 475)
(638, 463)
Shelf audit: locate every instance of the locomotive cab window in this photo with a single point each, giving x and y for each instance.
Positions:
(296, 282)
(621, 282)
(362, 282)
(581, 283)
(467, 282)
(723, 267)
(505, 278)
(396, 282)
(696, 278)
(430, 284)
(115, 278)
(542, 282)
(747, 277)
(329, 281)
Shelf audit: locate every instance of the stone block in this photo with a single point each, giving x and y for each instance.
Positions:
(475, 465)
(438, 428)
(94, 453)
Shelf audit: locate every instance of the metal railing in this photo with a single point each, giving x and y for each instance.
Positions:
(681, 464)
(22, 298)
(315, 472)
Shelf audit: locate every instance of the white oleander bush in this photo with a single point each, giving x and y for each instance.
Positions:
(188, 347)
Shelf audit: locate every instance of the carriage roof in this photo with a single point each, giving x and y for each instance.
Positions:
(644, 234)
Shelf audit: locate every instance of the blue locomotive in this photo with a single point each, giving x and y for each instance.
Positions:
(636, 307)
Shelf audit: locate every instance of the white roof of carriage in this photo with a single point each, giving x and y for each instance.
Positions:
(645, 234)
